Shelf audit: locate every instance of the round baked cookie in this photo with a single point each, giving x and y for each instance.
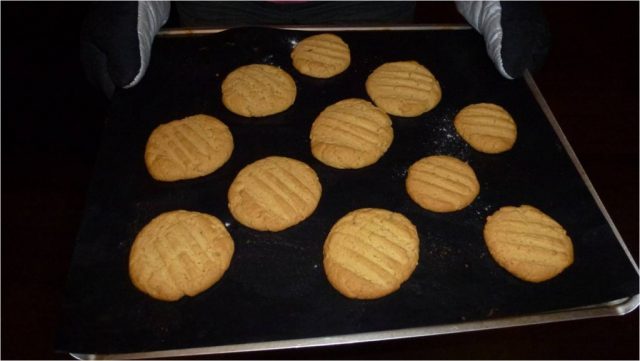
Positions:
(274, 193)
(441, 183)
(370, 252)
(180, 253)
(321, 56)
(487, 127)
(404, 88)
(528, 243)
(351, 133)
(188, 148)
(258, 90)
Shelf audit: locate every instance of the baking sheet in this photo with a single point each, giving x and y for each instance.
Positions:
(275, 289)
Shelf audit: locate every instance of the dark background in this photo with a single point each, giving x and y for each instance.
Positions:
(51, 126)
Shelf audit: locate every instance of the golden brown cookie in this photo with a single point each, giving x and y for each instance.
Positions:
(188, 148)
(180, 253)
(404, 88)
(352, 133)
(321, 56)
(274, 193)
(488, 128)
(528, 243)
(258, 90)
(441, 183)
(370, 252)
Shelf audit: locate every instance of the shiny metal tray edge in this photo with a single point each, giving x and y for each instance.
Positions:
(617, 307)
(613, 308)
(204, 31)
(565, 143)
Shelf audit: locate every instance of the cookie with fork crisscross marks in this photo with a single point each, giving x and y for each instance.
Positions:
(404, 88)
(274, 193)
(352, 133)
(528, 243)
(180, 253)
(321, 56)
(487, 127)
(442, 183)
(370, 252)
(188, 148)
(258, 90)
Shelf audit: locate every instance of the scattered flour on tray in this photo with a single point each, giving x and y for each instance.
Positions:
(446, 140)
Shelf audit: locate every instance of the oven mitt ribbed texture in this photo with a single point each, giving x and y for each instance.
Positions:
(516, 33)
(116, 41)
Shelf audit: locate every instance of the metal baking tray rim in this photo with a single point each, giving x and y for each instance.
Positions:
(576, 162)
(613, 308)
(204, 31)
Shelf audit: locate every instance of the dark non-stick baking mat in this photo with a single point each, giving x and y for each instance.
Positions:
(275, 288)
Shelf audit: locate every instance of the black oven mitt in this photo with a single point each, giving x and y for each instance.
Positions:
(516, 33)
(116, 41)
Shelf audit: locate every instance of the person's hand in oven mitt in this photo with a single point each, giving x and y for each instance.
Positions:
(116, 42)
(516, 33)
(117, 37)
